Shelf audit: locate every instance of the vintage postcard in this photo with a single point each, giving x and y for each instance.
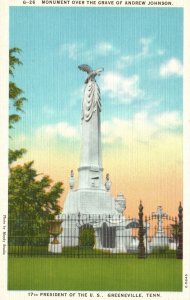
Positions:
(95, 150)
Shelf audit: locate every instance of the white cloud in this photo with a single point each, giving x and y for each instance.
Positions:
(161, 52)
(48, 111)
(126, 60)
(120, 88)
(126, 131)
(140, 128)
(79, 50)
(170, 120)
(71, 49)
(104, 48)
(61, 129)
(171, 67)
(21, 138)
(145, 42)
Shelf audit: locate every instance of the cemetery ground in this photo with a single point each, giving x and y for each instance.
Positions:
(118, 274)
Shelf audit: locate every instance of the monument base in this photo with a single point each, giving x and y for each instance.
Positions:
(54, 248)
(90, 201)
(160, 240)
(110, 231)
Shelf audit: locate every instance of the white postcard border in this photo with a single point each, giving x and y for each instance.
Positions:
(4, 80)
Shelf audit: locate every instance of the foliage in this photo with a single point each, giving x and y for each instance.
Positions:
(32, 202)
(16, 101)
(87, 237)
(175, 230)
(15, 93)
(162, 250)
(15, 154)
(13, 60)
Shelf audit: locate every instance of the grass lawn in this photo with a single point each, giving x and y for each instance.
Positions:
(119, 274)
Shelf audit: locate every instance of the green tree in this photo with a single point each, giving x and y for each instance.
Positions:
(15, 154)
(15, 93)
(16, 101)
(33, 200)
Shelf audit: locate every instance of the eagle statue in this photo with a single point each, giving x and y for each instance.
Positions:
(91, 74)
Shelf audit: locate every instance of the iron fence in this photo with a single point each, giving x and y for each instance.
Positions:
(84, 235)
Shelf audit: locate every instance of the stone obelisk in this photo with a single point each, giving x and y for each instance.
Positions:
(92, 196)
(90, 170)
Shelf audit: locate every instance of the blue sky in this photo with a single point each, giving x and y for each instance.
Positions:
(133, 45)
(141, 50)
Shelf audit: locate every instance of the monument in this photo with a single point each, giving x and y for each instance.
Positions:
(91, 194)
(160, 239)
(92, 202)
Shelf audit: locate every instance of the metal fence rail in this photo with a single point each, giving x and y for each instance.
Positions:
(97, 236)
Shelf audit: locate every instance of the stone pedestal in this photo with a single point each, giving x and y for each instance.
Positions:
(159, 240)
(54, 248)
(90, 201)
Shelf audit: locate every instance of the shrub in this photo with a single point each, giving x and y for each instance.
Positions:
(87, 237)
(161, 250)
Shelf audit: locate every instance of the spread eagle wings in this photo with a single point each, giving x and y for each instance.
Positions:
(99, 70)
(85, 68)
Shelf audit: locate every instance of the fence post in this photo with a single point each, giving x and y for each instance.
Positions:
(146, 252)
(176, 234)
(179, 252)
(78, 246)
(141, 248)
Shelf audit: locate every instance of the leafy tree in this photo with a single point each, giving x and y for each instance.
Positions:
(32, 202)
(16, 101)
(15, 93)
(33, 199)
(15, 154)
